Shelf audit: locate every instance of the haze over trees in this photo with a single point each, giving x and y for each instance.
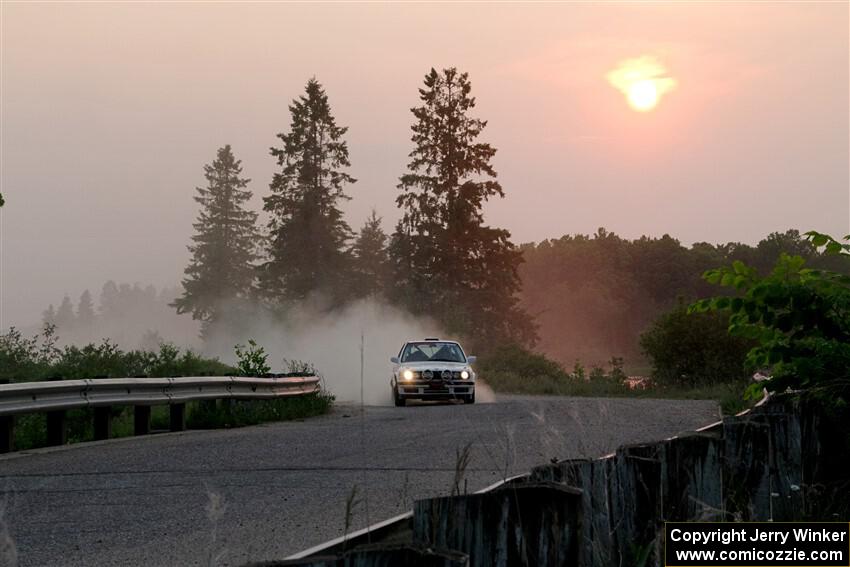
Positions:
(131, 316)
(593, 295)
(307, 246)
(221, 271)
(446, 262)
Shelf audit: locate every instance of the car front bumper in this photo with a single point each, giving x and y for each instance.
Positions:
(419, 389)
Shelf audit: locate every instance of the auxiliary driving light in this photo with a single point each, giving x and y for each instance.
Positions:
(408, 375)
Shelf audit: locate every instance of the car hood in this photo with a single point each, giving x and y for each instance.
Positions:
(434, 365)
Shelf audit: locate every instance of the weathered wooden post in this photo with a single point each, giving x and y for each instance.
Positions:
(692, 478)
(177, 415)
(746, 468)
(519, 524)
(141, 420)
(7, 433)
(102, 423)
(595, 479)
(57, 428)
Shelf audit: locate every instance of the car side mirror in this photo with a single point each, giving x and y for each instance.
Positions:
(394, 359)
(471, 359)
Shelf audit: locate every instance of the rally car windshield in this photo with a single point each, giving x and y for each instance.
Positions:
(432, 352)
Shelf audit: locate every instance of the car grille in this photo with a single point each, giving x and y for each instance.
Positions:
(444, 375)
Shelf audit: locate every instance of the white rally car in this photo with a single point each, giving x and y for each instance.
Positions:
(432, 369)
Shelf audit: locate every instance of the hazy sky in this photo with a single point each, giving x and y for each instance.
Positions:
(110, 111)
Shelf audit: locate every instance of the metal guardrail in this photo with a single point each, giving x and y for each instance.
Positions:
(56, 397)
(33, 397)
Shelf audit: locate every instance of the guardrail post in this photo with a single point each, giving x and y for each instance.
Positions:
(521, 523)
(178, 417)
(7, 433)
(141, 420)
(57, 430)
(102, 423)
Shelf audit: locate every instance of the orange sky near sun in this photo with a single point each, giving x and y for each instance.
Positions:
(111, 110)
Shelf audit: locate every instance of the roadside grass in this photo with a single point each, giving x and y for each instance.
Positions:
(236, 413)
(31, 429)
(729, 396)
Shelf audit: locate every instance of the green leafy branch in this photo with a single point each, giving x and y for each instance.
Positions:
(799, 317)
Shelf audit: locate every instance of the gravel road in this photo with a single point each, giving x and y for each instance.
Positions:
(265, 492)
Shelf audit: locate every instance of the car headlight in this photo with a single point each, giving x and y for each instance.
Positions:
(408, 374)
(464, 374)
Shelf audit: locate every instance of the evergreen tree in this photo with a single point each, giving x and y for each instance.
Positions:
(109, 299)
(370, 258)
(85, 316)
(221, 270)
(308, 236)
(446, 261)
(85, 309)
(65, 315)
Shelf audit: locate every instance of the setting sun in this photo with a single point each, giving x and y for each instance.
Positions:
(643, 95)
(643, 81)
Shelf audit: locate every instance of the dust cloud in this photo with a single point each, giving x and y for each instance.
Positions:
(331, 341)
(483, 393)
(136, 317)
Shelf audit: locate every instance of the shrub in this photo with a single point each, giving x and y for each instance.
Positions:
(518, 360)
(517, 370)
(299, 368)
(27, 357)
(37, 358)
(694, 349)
(252, 359)
(798, 319)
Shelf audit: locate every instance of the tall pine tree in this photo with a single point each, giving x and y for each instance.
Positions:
(446, 261)
(221, 272)
(65, 319)
(85, 317)
(85, 309)
(308, 235)
(370, 258)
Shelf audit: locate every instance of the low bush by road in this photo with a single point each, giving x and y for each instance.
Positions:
(515, 370)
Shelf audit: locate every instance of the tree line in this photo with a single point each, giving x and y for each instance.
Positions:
(593, 295)
(441, 260)
(133, 316)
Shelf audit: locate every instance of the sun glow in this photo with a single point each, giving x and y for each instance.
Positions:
(643, 81)
(643, 95)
